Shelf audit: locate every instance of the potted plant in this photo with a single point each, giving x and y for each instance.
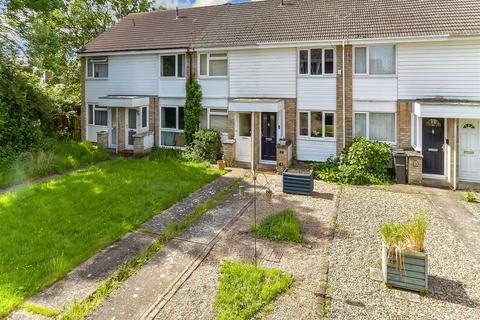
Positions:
(221, 164)
(404, 261)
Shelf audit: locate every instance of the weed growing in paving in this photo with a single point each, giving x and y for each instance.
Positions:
(469, 196)
(280, 226)
(245, 289)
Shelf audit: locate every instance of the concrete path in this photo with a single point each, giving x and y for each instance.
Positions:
(142, 293)
(82, 281)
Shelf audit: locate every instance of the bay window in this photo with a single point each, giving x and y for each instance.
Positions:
(374, 60)
(316, 124)
(97, 67)
(213, 64)
(171, 126)
(97, 115)
(173, 65)
(215, 119)
(316, 62)
(375, 126)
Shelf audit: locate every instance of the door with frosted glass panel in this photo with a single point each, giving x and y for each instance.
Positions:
(112, 127)
(131, 127)
(244, 138)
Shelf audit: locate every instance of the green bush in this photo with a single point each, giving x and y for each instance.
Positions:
(469, 196)
(362, 162)
(206, 146)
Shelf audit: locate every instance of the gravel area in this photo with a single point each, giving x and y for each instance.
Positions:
(454, 281)
(307, 264)
(474, 207)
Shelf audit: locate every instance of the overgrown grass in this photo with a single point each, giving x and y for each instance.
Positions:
(80, 309)
(280, 226)
(245, 289)
(55, 157)
(48, 228)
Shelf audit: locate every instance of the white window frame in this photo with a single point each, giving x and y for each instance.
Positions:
(95, 107)
(176, 66)
(309, 73)
(367, 119)
(309, 136)
(176, 119)
(208, 64)
(141, 117)
(210, 113)
(94, 61)
(367, 70)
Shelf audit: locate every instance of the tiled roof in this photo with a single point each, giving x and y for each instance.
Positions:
(297, 20)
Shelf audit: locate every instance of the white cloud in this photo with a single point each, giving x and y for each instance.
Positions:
(172, 4)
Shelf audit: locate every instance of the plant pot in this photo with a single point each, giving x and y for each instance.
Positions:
(269, 195)
(415, 275)
(298, 183)
(221, 164)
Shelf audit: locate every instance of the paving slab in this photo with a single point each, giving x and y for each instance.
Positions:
(25, 315)
(84, 280)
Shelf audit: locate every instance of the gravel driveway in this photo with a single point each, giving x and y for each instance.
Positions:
(454, 281)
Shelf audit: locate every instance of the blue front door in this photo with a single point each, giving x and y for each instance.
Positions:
(269, 136)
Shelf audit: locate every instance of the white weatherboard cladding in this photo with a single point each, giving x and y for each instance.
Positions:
(447, 70)
(374, 88)
(171, 87)
(127, 75)
(375, 106)
(316, 93)
(315, 150)
(214, 88)
(262, 73)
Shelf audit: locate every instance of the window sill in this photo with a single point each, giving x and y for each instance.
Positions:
(212, 77)
(371, 76)
(172, 78)
(172, 130)
(333, 139)
(89, 78)
(316, 76)
(98, 125)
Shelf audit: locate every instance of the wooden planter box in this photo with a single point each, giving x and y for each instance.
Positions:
(298, 183)
(415, 275)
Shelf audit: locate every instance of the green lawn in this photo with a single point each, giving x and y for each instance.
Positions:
(49, 228)
(279, 226)
(245, 289)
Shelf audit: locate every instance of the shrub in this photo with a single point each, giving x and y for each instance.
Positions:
(192, 110)
(362, 162)
(206, 146)
(469, 196)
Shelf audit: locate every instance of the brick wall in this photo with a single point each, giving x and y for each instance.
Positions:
(191, 61)
(291, 123)
(450, 126)
(348, 96)
(153, 118)
(83, 106)
(404, 130)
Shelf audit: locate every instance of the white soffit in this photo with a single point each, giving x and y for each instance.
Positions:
(255, 105)
(446, 110)
(123, 101)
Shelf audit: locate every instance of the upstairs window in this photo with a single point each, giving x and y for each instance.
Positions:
(97, 67)
(374, 60)
(213, 64)
(316, 62)
(172, 65)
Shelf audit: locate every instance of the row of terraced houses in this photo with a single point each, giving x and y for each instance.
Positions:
(307, 74)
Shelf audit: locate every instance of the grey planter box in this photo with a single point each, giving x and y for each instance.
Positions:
(415, 275)
(298, 183)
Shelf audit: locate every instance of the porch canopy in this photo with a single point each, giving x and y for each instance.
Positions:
(255, 105)
(447, 109)
(124, 101)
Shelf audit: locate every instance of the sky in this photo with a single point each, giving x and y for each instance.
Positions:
(171, 4)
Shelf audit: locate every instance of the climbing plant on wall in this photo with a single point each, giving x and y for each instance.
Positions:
(193, 109)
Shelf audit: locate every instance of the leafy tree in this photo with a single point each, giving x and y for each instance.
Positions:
(193, 109)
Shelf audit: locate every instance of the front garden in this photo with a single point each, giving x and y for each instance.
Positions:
(49, 228)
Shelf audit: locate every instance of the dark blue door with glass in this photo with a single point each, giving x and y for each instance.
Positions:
(269, 136)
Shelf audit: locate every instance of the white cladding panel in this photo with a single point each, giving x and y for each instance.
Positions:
(375, 106)
(315, 150)
(214, 88)
(171, 87)
(374, 88)
(262, 73)
(92, 132)
(447, 70)
(316, 93)
(127, 75)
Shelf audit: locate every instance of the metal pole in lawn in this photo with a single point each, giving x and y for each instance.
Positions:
(255, 213)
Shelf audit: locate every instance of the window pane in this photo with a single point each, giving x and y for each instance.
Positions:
(90, 69)
(132, 119)
(303, 62)
(304, 123)
(328, 61)
(90, 114)
(360, 125)
(218, 67)
(329, 125)
(316, 124)
(316, 61)
(181, 119)
(203, 119)
(382, 59)
(361, 60)
(245, 124)
(203, 64)
(181, 66)
(169, 118)
(101, 117)
(168, 66)
(382, 127)
(101, 70)
(218, 123)
(144, 117)
(173, 139)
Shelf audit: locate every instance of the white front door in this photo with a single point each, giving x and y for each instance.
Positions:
(112, 127)
(131, 123)
(244, 136)
(469, 150)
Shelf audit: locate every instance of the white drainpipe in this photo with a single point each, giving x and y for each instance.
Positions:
(116, 131)
(343, 93)
(253, 141)
(455, 155)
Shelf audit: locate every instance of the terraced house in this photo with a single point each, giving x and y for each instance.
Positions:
(294, 79)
